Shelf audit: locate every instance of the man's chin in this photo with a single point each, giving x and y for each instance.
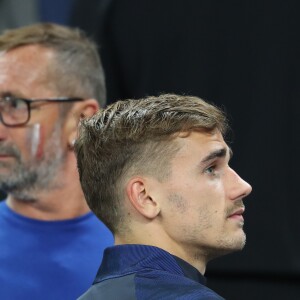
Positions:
(239, 242)
(235, 243)
(227, 247)
(5, 172)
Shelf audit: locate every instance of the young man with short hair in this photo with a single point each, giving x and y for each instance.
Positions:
(156, 172)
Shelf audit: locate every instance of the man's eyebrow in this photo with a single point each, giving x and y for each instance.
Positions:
(4, 94)
(216, 154)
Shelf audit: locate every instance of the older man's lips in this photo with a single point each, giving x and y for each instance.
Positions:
(237, 215)
(5, 156)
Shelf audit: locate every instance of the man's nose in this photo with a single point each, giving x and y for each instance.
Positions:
(239, 188)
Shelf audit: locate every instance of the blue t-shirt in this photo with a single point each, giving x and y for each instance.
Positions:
(49, 259)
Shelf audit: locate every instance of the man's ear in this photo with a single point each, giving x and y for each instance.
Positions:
(88, 108)
(139, 194)
(79, 110)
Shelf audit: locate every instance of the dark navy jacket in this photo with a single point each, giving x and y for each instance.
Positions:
(130, 272)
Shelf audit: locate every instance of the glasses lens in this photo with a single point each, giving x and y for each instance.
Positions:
(14, 111)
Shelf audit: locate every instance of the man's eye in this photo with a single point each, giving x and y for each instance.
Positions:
(15, 103)
(211, 170)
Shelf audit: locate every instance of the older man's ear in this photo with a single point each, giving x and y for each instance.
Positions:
(82, 109)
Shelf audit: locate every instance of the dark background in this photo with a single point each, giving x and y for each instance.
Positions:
(243, 55)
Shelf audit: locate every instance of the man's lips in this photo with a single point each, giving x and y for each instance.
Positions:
(5, 156)
(238, 214)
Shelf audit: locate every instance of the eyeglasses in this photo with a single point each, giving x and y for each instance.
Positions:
(15, 111)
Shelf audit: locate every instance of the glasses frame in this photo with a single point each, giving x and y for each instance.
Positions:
(30, 101)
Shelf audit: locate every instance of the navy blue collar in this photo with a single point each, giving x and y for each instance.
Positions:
(127, 259)
(190, 271)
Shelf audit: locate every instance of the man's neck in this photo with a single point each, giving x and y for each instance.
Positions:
(61, 204)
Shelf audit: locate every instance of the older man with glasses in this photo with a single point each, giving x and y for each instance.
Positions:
(50, 76)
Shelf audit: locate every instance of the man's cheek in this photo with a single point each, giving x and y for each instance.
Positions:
(35, 141)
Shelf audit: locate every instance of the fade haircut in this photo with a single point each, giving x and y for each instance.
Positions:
(76, 69)
(135, 137)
